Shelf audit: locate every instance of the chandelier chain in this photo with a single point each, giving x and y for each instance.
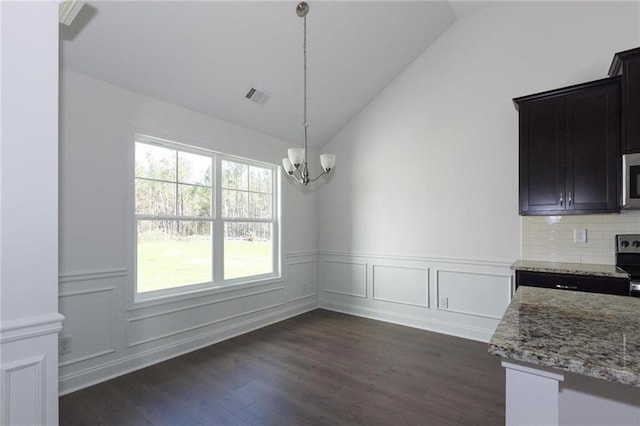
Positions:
(304, 53)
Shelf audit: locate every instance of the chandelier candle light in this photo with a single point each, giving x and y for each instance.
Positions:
(296, 164)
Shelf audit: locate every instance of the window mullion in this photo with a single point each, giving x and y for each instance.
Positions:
(218, 225)
(247, 219)
(275, 222)
(176, 183)
(173, 217)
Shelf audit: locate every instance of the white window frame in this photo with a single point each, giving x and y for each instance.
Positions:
(216, 219)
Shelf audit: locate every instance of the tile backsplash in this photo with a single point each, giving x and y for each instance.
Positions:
(551, 238)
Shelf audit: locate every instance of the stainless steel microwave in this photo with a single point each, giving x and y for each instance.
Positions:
(631, 181)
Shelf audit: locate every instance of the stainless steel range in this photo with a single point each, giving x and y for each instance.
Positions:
(628, 259)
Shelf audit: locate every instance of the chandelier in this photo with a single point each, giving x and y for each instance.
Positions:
(296, 163)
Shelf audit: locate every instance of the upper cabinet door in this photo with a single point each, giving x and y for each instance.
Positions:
(593, 148)
(542, 156)
(570, 149)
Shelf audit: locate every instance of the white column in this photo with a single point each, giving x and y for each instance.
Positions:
(532, 395)
(29, 318)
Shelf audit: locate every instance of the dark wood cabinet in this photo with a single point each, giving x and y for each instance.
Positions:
(627, 65)
(587, 283)
(570, 149)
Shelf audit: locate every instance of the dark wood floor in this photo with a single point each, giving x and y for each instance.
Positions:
(318, 368)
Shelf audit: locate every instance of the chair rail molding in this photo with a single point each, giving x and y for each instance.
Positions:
(26, 328)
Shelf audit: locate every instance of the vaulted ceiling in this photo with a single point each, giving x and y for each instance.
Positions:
(206, 55)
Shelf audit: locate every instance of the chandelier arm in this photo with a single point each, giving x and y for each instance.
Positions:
(296, 178)
(319, 176)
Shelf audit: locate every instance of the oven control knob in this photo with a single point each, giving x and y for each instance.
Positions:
(624, 243)
(636, 243)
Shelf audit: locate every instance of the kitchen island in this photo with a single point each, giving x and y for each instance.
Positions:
(570, 357)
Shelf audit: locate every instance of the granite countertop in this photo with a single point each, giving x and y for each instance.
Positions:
(570, 268)
(596, 335)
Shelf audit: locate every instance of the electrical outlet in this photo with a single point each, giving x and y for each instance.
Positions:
(444, 302)
(579, 235)
(64, 345)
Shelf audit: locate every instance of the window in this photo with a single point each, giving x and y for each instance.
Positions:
(202, 218)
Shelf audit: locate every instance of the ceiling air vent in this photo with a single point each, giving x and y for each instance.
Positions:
(258, 96)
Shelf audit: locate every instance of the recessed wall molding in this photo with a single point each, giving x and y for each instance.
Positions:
(96, 306)
(348, 278)
(199, 305)
(401, 284)
(294, 254)
(296, 299)
(364, 296)
(301, 262)
(475, 293)
(93, 275)
(86, 358)
(301, 279)
(23, 388)
(202, 325)
(84, 292)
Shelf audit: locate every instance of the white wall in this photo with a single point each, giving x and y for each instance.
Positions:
(29, 319)
(428, 170)
(110, 337)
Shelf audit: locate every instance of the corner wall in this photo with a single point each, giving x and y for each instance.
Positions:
(420, 222)
(109, 336)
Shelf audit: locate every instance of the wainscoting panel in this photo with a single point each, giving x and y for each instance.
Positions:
(344, 277)
(95, 306)
(23, 392)
(399, 284)
(467, 299)
(301, 277)
(28, 370)
(473, 293)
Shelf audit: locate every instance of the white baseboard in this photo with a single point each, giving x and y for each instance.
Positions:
(100, 373)
(438, 326)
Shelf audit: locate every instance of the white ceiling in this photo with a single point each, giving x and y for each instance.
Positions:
(205, 55)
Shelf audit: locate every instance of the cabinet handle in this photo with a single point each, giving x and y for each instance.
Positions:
(567, 287)
(570, 200)
(561, 199)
